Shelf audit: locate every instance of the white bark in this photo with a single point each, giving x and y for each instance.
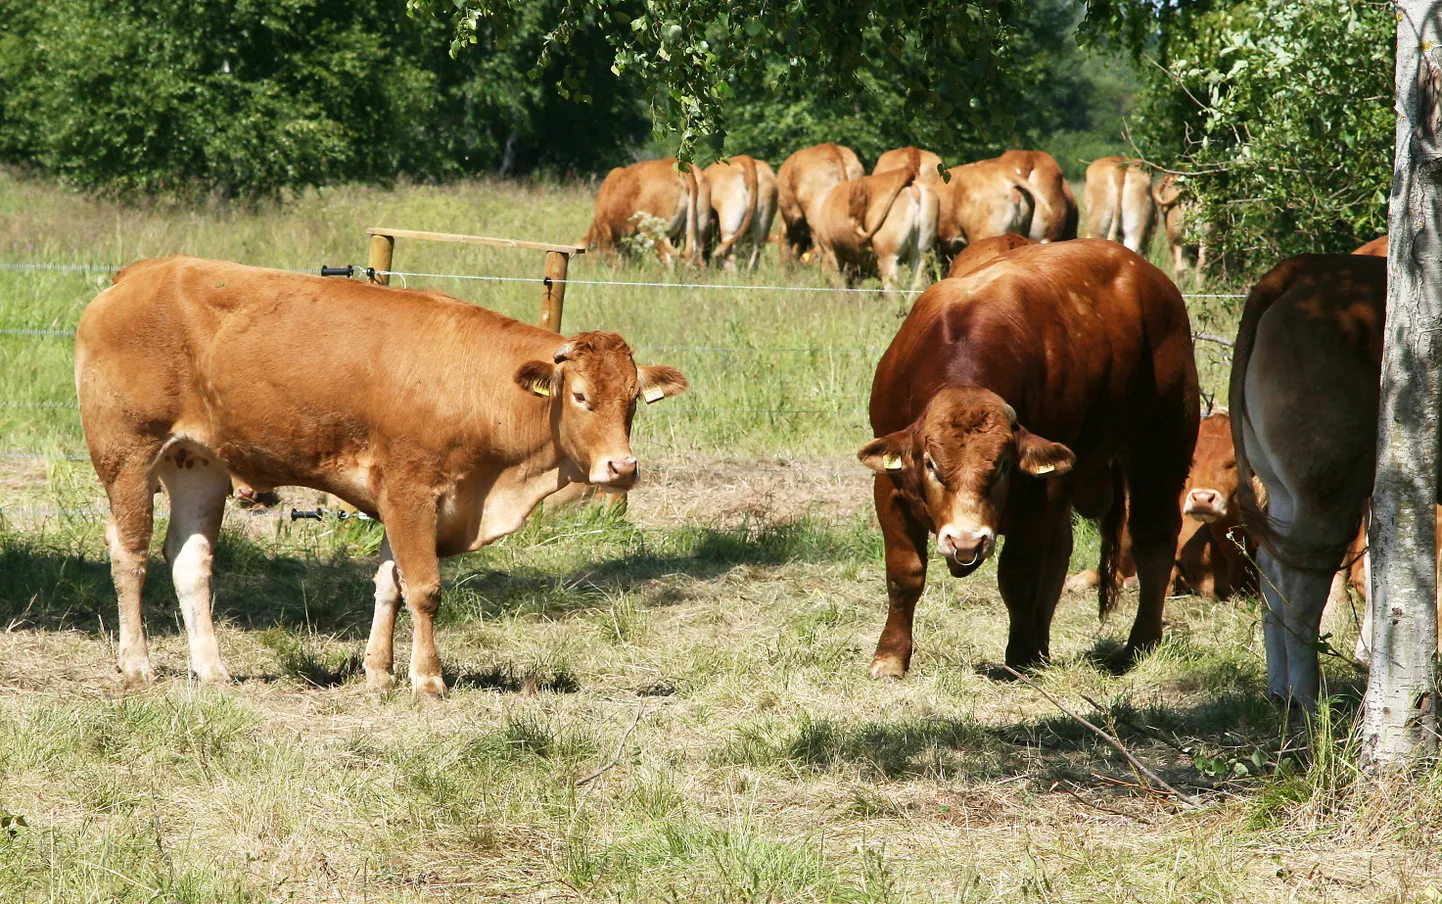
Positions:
(1399, 714)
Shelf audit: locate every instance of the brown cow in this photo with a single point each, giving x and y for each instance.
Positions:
(1375, 248)
(1209, 560)
(1056, 218)
(1304, 401)
(872, 224)
(1082, 342)
(802, 184)
(928, 166)
(1175, 205)
(977, 253)
(1119, 200)
(982, 200)
(652, 198)
(447, 421)
(743, 204)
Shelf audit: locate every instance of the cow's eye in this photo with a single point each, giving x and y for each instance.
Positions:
(931, 466)
(580, 397)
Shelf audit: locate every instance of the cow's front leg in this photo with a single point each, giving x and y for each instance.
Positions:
(380, 653)
(905, 579)
(411, 530)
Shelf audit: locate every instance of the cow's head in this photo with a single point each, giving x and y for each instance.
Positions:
(593, 385)
(957, 461)
(1212, 488)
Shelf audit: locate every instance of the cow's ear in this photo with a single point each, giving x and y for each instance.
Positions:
(1042, 457)
(657, 382)
(539, 377)
(886, 453)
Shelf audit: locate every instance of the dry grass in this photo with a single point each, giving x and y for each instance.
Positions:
(733, 606)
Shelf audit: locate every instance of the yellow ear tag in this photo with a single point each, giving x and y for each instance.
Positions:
(654, 394)
(1044, 469)
(891, 461)
(541, 388)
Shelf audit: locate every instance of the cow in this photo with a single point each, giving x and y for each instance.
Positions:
(1175, 205)
(802, 184)
(1375, 248)
(928, 165)
(1119, 202)
(1304, 402)
(1057, 377)
(743, 204)
(982, 200)
(446, 421)
(1215, 556)
(870, 225)
(655, 200)
(978, 253)
(1056, 218)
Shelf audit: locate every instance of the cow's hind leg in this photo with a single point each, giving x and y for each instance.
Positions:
(127, 534)
(197, 484)
(1153, 521)
(380, 653)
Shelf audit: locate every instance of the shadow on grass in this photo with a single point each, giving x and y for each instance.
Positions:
(57, 585)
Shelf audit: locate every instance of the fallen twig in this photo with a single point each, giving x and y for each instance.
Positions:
(620, 746)
(1121, 748)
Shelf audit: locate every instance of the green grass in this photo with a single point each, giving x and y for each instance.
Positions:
(727, 616)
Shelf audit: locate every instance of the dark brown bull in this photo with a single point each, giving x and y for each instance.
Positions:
(1057, 377)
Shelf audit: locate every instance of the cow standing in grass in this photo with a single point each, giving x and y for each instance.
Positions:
(802, 184)
(655, 202)
(448, 422)
(1052, 378)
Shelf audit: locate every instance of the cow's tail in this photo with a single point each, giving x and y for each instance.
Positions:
(1112, 523)
(1163, 204)
(839, 159)
(749, 174)
(906, 177)
(693, 191)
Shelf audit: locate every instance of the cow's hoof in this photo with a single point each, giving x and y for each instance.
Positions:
(378, 681)
(428, 685)
(887, 667)
(214, 673)
(136, 675)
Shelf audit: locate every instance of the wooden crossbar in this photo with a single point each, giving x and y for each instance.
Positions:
(474, 240)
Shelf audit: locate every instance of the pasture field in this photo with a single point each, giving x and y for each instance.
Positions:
(662, 704)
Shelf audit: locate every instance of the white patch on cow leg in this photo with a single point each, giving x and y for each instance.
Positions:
(197, 485)
(425, 671)
(380, 653)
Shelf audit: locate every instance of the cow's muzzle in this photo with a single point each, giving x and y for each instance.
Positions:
(616, 471)
(1205, 505)
(965, 550)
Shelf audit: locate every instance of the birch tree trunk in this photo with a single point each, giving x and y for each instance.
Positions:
(1399, 713)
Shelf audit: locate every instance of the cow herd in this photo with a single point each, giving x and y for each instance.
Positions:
(1045, 376)
(861, 225)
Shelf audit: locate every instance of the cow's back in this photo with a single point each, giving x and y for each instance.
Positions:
(1087, 340)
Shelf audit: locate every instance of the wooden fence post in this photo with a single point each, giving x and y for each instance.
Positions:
(554, 300)
(382, 249)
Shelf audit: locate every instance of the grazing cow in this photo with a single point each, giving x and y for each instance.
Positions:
(802, 184)
(652, 198)
(743, 203)
(982, 200)
(1056, 218)
(447, 421)
(1304, 401)
(978, 253)
(872, 224)
(1175, 205)
(927, 165)
(1209, 560)
(1119, 200)
(1083, 343)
